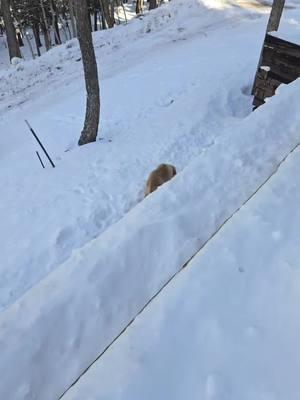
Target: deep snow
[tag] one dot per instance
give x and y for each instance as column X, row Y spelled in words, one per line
column 227, row 327
column 68, row 319
column 150, row 88
column 175, row 88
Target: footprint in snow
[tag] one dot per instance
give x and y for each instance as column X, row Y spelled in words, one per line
column 65, row 238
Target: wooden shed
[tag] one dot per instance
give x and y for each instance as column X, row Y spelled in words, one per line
column 279, row 61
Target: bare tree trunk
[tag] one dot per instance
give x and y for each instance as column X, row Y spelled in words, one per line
column 45, row 28
column 29, row 44
column 20, row 39
column 65, row 23
column 35, row 29
column 105, row 8
column 68, row 28
column 91, row 123
column 95, row 20
column 153, row 4
column 56, row 28
column 63, row 27
column 72, row 18
column 55, row 22
column 139, row 6
column 13, row 46
column 125, row 14
column 90, row 22
column 111, row 4
column 103, row 22
column 118, row 14
column 46, row 35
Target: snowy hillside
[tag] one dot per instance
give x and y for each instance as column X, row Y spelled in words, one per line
column 82, row 254
column 150, row 88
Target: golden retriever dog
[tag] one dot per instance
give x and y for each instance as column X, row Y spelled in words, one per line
column 162, row 174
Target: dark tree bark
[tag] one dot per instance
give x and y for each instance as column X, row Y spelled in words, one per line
column 57, row 34
column 105, row 8
column 20, row 39
column 55, row 22
column 90, row 22
column 35, row 29
column 111, row 7
column 103, row 22
column 46, row 35
column 13, row 46
column 45, row 27
column 153, row 4
column 95, row 20
column 91, row 123
column 72, row 18
column 139, row 6
column 65, row 22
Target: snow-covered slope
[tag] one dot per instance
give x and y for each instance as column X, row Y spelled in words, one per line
column 77, row 262
column 227, row 327
column 166, row 95
column 67, row 320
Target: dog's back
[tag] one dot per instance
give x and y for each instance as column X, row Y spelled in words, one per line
column 163, row 173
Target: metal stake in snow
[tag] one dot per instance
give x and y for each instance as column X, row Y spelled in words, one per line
column 40, row 143
column 39, row 157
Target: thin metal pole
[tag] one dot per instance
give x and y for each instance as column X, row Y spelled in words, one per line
column 40, row 143
column 39, row 157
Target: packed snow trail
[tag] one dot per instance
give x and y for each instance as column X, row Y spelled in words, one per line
column 176, row 68
column 228, row 326
column 73, row 314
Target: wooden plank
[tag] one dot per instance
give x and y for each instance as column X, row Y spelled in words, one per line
column 282, row 45
column 275, row 15
column 273, row 25
column 283, row 59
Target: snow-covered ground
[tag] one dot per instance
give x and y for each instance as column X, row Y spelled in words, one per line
column 81, row 254
column 29, row 50
column 69, row 318
column 151, row 85
column 227, row 327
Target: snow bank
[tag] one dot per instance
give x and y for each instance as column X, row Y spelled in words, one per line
column 143, row 123
column 46, row 338
column 227, row 327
